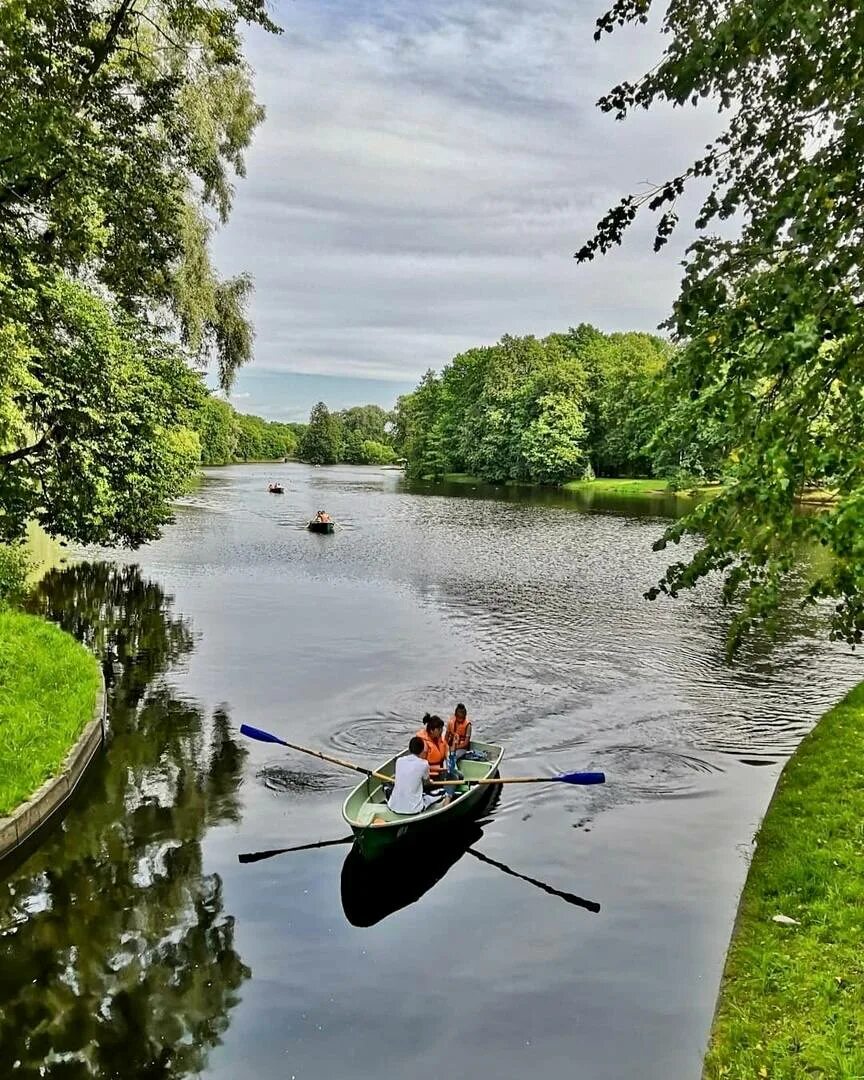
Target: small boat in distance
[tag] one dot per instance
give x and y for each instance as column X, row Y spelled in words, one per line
column 276, row 489
column 376, row 828
column 321, row 526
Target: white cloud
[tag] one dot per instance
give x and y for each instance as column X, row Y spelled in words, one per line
column 423, row 178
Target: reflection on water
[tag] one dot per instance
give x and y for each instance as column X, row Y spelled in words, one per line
column 116, row 956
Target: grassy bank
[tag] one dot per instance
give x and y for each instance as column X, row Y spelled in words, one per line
column 602, row 485
column 48, row 689
column 792, row 1001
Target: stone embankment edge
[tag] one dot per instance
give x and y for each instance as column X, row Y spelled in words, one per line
column 53, row 795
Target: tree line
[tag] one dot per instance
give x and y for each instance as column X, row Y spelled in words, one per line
column 361, row 435
column 572, row 405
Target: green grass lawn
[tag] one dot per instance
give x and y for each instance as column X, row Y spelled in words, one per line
column 619, row 486
column 48, row 689
column 792, row 1002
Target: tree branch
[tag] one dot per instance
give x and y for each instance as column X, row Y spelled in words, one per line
column 25, row 451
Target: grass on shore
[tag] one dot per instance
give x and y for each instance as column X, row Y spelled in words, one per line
column 48, row 689
column 791, row 1005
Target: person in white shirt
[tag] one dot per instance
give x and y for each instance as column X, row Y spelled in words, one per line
column 409, row 795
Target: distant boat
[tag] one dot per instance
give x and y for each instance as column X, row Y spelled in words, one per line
column 276, row 489
column 321, row 526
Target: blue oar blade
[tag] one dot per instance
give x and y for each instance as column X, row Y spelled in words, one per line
column 582, row 778
column 261, row 736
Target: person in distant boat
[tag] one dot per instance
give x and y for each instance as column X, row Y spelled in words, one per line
column 411, row 793
column 459, row 732
column 435, row 748
column 323, row 516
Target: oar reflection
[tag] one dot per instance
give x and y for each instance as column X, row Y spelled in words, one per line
column 373, row 890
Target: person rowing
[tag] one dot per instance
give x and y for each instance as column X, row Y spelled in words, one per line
column 411, row 793
column 322, row 516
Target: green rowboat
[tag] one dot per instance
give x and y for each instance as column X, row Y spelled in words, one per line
column 321, row 527
column 375, row 826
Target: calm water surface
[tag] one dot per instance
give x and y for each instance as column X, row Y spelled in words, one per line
column 571, row 932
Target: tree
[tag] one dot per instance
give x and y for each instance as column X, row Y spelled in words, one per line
column 114, row 442
column 361, row 424
column 322, row 442
column 219, row 431
column 120, row 129
column 771, row 318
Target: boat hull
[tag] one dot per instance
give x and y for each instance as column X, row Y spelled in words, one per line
column 321, row 527
column 373, row 840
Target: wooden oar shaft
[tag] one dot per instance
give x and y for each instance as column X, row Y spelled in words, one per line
column 338, row 761
column 499, row 780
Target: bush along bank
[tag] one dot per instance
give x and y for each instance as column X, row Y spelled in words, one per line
column 791, row 1003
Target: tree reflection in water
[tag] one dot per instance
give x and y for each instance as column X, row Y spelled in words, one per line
column 116, row 957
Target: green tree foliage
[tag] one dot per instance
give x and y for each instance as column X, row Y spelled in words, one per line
column 115, row 442
column 228, row 436
column 543, row 411
column 120, row 129
column 771, row 316
column 219, row 431
column 322, row 440
column 375, row 453
column 15, row 565
column 364, row 424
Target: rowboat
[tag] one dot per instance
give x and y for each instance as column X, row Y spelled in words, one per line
column 321, row 526
column 276, row 489
column 377, row 828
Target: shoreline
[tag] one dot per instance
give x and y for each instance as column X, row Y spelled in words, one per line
column 791, row 998
column 52, row 704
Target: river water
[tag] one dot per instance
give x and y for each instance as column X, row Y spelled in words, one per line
column 572, row 932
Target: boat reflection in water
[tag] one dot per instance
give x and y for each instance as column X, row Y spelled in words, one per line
column 373, row 890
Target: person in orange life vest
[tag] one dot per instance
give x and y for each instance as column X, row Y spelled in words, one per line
column 459, row 732
column 435, row 748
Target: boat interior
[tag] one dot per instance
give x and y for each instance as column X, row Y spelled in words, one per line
column 367, row 805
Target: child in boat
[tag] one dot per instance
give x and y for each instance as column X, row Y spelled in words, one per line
column 409, row 795
column 459, row 732
column 435, row 748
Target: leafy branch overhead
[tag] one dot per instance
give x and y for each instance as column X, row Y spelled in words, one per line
column 122, row 128
column 770, row 317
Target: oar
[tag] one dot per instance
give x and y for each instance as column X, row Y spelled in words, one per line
column 564, row 778
column 257, row 856
column 266, row 736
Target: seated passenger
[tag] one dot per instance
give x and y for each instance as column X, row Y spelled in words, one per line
column 459, row 732
column 409, row 795
column 435, row 748
column 322, row 515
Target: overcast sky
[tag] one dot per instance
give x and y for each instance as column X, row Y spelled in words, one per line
column 420, row 184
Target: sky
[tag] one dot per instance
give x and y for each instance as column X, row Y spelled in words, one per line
column 421, row 181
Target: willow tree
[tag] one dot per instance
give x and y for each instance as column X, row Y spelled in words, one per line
column 770, row 308
column 122, row 126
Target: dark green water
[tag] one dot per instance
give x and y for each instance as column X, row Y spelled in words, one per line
column 572, row 932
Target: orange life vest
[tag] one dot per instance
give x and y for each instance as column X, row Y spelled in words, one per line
column 458, row 733
column 435, row 751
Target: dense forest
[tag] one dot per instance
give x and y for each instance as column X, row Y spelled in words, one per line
column 572, row 405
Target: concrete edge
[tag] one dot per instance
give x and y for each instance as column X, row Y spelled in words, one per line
column 53, row 795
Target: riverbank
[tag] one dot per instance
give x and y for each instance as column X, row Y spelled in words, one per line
column 791, row 1004
column 49, row 686
column 602, row 485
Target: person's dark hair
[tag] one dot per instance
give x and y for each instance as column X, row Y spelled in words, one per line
column 461, row 710
column 432, row 722
column 415, row 746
